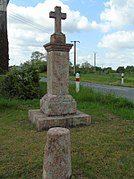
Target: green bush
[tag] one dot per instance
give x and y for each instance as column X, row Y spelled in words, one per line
column 21, row 83
column 39, row 65
column 2, row 71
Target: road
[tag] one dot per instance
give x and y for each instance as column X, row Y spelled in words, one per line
column 125, row 92
column 116, row 90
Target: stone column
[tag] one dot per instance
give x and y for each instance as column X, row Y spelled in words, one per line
column 58, row 102
column 57, row 158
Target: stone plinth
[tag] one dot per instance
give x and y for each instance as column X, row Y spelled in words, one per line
column 57, row 158
column 43, row 122
column 57, row 105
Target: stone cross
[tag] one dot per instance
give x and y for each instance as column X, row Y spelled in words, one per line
column 58, row 15
column 57, row 107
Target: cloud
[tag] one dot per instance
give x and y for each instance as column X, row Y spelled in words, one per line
column 118, row 13
column 118, row 41
column 119, row 47
column 29, row 28
column 115, row 59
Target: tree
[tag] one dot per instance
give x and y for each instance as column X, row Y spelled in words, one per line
column 130, row 69
column 38, row 61
column 120, row 69
column 36, row 55
column 86, row 65
column 107, row 70
column 98, row 68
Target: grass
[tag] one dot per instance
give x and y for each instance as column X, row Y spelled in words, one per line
column 102, row 150
column 107, row 79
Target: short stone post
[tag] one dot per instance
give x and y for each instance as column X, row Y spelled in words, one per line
column 57, row 158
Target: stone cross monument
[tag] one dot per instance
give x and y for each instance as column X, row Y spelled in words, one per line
column 4, row 57
column 57, row 107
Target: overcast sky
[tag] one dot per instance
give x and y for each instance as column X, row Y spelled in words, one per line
column 102, row 26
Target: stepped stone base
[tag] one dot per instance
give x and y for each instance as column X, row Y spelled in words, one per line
column 43, row 122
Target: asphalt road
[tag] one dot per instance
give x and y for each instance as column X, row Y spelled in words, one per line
column 125, row 92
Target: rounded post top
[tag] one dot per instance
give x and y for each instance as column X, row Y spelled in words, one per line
column 58, row 131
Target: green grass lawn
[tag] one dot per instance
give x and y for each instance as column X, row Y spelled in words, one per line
column 102, row 150
column 108, row 79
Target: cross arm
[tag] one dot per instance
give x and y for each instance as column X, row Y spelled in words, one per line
column 64, row 16
column 52, row 14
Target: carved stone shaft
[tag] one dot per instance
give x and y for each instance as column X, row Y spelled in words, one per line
column 57, row 101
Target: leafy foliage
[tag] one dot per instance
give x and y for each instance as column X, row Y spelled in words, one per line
column 21, row 83
column 36, row 55
column 130, row 69
column 39, row 65
column 37, row 61
column 1, row 71
column 120, row 69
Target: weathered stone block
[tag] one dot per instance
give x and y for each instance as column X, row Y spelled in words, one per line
column 58, row 38
column 57, row 105
column 57, row 157
column 43, row 122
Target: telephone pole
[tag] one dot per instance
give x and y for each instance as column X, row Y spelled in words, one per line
column 94, row 61
column 75, row 54
column 4, row 56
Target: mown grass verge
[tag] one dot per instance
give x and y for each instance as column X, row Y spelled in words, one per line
column 102, row 150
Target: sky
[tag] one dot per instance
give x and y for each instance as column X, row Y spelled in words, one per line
column 104, row 27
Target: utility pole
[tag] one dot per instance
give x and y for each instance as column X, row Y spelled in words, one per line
column 4, row 56
column 75, row 54
column 94, row 61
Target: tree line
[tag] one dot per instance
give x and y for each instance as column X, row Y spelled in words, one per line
column 39, row 61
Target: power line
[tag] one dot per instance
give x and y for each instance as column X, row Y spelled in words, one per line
column 26, row 21
column 94, row 61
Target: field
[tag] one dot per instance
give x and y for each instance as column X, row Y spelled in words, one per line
column 102, row 150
